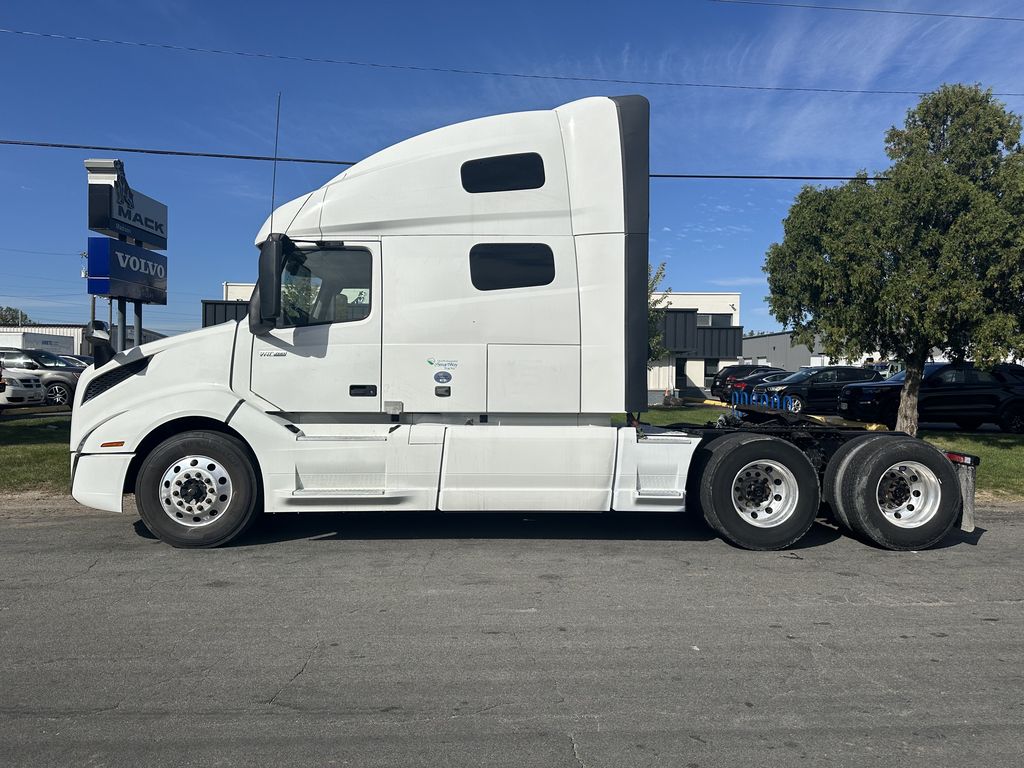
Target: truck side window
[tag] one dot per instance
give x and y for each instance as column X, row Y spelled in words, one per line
column 498, row 266
column 329, row 285
column 503, row 173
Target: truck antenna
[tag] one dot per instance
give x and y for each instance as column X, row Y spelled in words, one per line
column 273, row 183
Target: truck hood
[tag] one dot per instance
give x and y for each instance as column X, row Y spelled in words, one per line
column 221, row 336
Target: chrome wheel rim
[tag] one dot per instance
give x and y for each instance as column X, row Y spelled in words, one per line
column 796, row 405
column 908, row 494
column 57, row 395
column 765, row 493
column 195, row 491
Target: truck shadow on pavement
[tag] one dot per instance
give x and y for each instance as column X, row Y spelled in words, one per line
column 356, row 526
column 373, row 526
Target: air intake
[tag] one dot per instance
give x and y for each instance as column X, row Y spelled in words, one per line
column 105, row 381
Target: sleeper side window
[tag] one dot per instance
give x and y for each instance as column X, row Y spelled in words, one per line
column 500, row 266
column 504, row 173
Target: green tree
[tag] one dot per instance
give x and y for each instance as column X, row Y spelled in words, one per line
column 656, row 314
column 14, row 316
column 932, row 258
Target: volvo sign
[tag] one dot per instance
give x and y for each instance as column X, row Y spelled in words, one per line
column 117, row 210
column 126, row 271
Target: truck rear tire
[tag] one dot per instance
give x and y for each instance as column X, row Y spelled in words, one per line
column 903, row 494
column 835, row 471
column 757, row 491
column 197, row 489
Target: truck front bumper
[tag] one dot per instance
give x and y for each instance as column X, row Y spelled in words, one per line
column 97, row 480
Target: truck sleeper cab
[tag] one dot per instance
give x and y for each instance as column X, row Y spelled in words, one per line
column 450, row 325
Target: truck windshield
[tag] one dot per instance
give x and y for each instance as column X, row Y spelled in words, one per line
column 327, row 285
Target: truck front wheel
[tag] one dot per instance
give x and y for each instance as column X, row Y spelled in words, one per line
column 759, row 494
column 903, row 494
column 197, row 489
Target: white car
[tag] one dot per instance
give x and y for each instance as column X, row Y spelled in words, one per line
column 20, row 388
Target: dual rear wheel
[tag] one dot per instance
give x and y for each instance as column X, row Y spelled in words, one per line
column 762, row 493
column 757, row 491
column 897, row 492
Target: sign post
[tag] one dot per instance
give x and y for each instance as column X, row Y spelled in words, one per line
column 118, row 269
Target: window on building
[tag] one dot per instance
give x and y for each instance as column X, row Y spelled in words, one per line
column 703, row 320
column 500, row 266
column 710, row 369
column 504, row 173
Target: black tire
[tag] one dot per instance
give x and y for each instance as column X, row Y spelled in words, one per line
column 968, row 425
column 835, row 471
column 861, row 486
column 60, row 393
column 227, row 517
column 722, row 475
column 700, row 460
column 798, row 404
column 1012, row 420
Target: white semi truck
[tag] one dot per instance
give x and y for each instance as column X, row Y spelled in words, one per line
column 452, row 324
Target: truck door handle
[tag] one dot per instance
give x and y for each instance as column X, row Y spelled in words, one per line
column 362, row 390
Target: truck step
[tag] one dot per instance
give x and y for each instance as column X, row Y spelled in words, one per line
column 338, row 493
column 659, row 493
column 342, row 438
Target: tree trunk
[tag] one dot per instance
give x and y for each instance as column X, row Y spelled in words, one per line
column 906, row 417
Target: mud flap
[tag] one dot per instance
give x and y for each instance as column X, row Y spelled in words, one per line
column 966, row 474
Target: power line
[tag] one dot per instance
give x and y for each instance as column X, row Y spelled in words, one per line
column 172, row 152
column 42, row 253
column 871, row 10
column 270, row 158
column 761, row 177
column 459, row 71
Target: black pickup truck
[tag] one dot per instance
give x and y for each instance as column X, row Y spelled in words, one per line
column 958, row 393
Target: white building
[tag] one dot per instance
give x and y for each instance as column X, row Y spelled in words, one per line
column 75, row 331
column 702, row 333
column 238, row 291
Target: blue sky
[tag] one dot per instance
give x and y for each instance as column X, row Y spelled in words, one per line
column 713, row 234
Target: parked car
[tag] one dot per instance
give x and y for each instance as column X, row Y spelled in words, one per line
column 731, row 373
column 957, row 393
column 19, row 388
column 816, row 389
column 747, row 383
column 83, row 361
column 886, row 368
column 59, row 378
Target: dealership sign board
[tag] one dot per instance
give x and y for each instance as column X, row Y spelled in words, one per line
column 117, row 210
column 126, row 271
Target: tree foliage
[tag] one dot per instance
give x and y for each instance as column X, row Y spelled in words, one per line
column 14, row 316
column 656, row 314
column 931, row 258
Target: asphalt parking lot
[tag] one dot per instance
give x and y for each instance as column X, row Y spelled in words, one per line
column 568, row 640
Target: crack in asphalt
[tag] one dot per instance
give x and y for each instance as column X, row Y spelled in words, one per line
column 576, row 750
column 316, row 646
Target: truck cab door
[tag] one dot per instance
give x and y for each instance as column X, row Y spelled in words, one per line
column 325, row 353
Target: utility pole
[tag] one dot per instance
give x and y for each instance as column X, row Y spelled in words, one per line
column 92, row 300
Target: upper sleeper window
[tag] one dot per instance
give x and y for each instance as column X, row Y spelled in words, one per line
column 497, row 266
column 503, row 173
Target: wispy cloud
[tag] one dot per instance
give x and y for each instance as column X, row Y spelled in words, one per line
column 736, row 282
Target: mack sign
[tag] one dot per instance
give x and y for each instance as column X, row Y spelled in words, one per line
column 117, row 210
column 126, row 271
